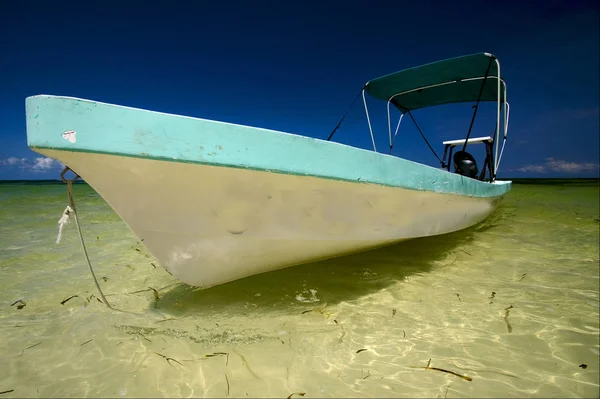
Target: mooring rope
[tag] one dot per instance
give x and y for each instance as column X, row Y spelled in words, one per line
column 64, row 219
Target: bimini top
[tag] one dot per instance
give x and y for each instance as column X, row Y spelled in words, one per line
column 449, row 81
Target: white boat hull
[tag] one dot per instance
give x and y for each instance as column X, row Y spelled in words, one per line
column 208, row 225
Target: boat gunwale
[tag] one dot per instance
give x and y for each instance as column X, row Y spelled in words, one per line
column 507, row 183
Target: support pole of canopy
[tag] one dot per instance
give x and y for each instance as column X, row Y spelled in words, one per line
column 369, row 120
column 487, row 72
column 506, row 115
column 392, row 138
column 396, row 132
column 389, row 125
column 498, row 122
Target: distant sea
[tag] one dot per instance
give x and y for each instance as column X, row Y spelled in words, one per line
column 507, row 308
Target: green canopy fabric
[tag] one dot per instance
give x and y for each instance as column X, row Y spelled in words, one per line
column 411, row 89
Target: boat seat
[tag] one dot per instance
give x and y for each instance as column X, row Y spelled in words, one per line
column 474, row 140
column 465, row 164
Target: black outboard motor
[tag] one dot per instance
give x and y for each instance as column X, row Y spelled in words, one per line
column 464, row 164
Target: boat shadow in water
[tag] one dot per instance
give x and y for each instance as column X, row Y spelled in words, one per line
column 324, row 282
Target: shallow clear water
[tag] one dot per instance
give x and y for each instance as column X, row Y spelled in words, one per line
column 512, row 303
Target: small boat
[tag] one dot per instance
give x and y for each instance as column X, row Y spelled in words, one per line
column 216, row 202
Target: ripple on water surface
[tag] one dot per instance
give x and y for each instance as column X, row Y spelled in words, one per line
column 511, row 304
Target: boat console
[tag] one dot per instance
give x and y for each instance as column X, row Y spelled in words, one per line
column 464, row 163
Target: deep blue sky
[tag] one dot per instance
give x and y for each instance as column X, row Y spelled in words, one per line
column 296, row 66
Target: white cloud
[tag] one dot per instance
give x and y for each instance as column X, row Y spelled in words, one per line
column 12, row 161
column 40, row 164
column 43, row 163
column 570, row 167
column 532, row 168
column 557, row 165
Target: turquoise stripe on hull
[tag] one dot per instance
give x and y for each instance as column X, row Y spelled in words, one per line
column 111, row 129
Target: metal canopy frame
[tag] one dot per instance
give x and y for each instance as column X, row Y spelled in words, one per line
column 503, row 108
